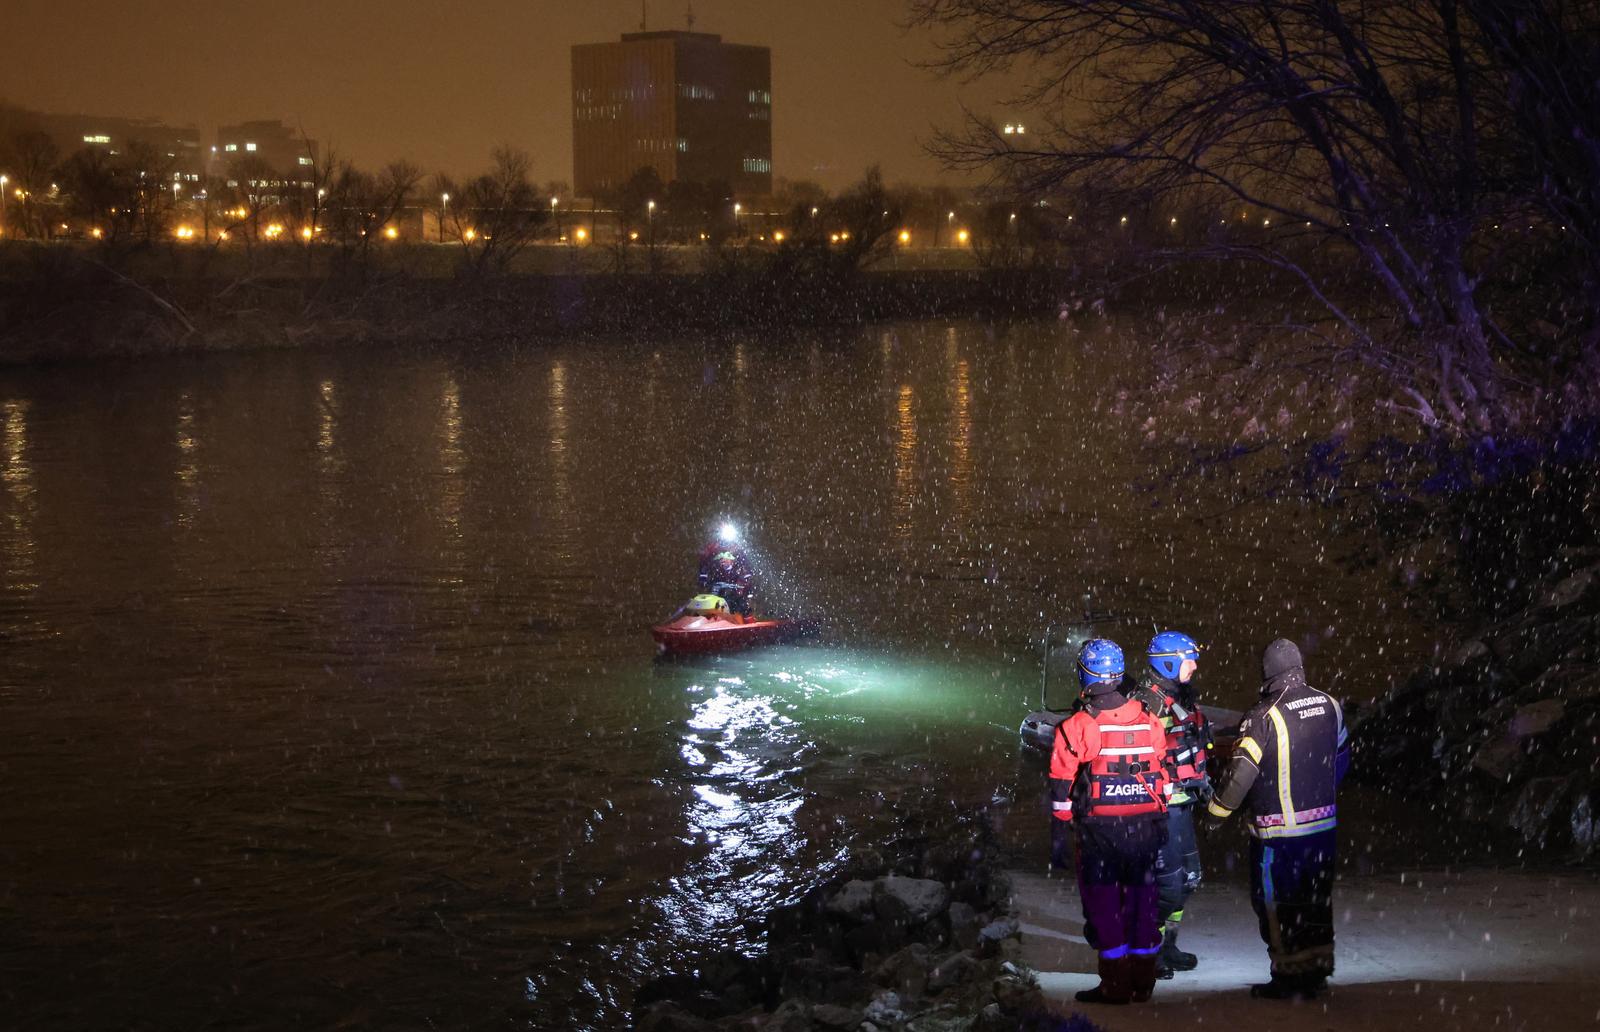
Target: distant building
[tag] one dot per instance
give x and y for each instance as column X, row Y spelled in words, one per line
column 172, row 150
column 687, row 104
column 276, row 148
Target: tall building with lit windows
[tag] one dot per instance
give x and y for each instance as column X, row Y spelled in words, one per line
column 282, row 149
column 687, row 104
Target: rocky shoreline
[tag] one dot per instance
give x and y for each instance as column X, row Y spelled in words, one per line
column 1504, row 731
column 917, row 935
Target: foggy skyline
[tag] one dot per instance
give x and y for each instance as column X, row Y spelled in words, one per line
column 379, row 81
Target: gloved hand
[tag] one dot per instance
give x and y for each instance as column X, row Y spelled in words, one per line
column 1061, row 845
column 1211, row 823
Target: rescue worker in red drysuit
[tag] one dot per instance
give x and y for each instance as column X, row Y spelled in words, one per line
column 1169, row 692
column 1285, row 770
column 1109, row 779
column 725, row 570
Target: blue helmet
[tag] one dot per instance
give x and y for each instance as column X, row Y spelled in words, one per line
column 1100, row 662
column 1168, row 650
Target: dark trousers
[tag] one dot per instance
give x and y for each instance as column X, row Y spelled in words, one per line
column 1178, row 864
column 1117, row 883
column 1291, row 888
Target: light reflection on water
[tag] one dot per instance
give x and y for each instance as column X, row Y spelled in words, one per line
column 18, row 475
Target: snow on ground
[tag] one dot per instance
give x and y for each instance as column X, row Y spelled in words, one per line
column 1474, row 949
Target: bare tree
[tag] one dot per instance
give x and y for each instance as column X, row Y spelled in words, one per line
column 1379, row 129
column 362, row 206
column 498, row 214
column 32, row 159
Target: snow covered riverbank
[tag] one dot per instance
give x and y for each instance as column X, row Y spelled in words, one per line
column 1451, row 950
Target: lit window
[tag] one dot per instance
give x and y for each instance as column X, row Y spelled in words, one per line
column 683, row 145
column 305, row 161
column 99, row 138
column 757, row 165
column 231, row 147
column 249, row 146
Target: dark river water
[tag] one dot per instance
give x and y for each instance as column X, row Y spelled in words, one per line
column 328, row 698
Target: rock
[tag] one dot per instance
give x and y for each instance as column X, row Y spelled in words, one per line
column 1017, row 995
column 791, row 1016
column 963, row 925
column 909, row 900
column 1498, row 757
column 1536, row 809
column 1585, row 827
column 1537, row 717
column 1010, row 951
column 993, row 1019
column 995, row 932
column 884, row 1010
column 853, row 901
column 1569, row 590
column 813, row 979
column 666, row 1016
column 868, row 863
column 953, row 970
column 1467, row 652
column 906, row 970
column 830, row 1015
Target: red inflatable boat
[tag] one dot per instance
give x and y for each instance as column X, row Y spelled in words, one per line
column 690, row 633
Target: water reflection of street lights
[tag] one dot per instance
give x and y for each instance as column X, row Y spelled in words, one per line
column 3, row 181
column 444, row 213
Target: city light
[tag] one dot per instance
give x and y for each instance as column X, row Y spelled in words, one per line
column 633, row 234
column 391, row 232
column 581, row 234
column 777, row 236
column 305, row 233
column 963, row 236
column 275, row 231
column 184, row 233
column 97, row 233
column 470, row 235
column 833, row 238
column 222, row 235
column 905, row 236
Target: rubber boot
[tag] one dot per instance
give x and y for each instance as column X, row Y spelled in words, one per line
column 1142, row 976
column 1115, row 983
column 1288, row 987
column 1171, row 958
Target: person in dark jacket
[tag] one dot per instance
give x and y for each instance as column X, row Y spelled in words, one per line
column 725, row 570
column 1285, row 771
column 1168, row 691
column 1109, row 779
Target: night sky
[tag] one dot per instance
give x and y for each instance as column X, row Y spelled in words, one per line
column 443, row 84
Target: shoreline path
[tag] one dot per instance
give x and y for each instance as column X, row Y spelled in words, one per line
column 1477, row 949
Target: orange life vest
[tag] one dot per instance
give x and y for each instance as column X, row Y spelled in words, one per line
column 1126, row 778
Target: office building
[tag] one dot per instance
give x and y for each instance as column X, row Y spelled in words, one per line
column 690, row 106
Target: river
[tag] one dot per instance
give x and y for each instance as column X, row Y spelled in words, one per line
column 328, row 694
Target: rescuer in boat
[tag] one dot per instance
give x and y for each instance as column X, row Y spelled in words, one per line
column 1168, row 691
column 1109, row 777
column 725, row 570
column 1285, row 771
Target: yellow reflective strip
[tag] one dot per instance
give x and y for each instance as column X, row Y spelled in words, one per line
column 1216, row 809
column 1251, row 749
column 1285, row 796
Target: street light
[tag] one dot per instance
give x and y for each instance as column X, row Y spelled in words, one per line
column 444, row 213
column 3, row 181
column 555, row 215
column 736, row 210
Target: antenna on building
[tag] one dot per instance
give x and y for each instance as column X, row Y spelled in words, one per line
column 689, row 16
